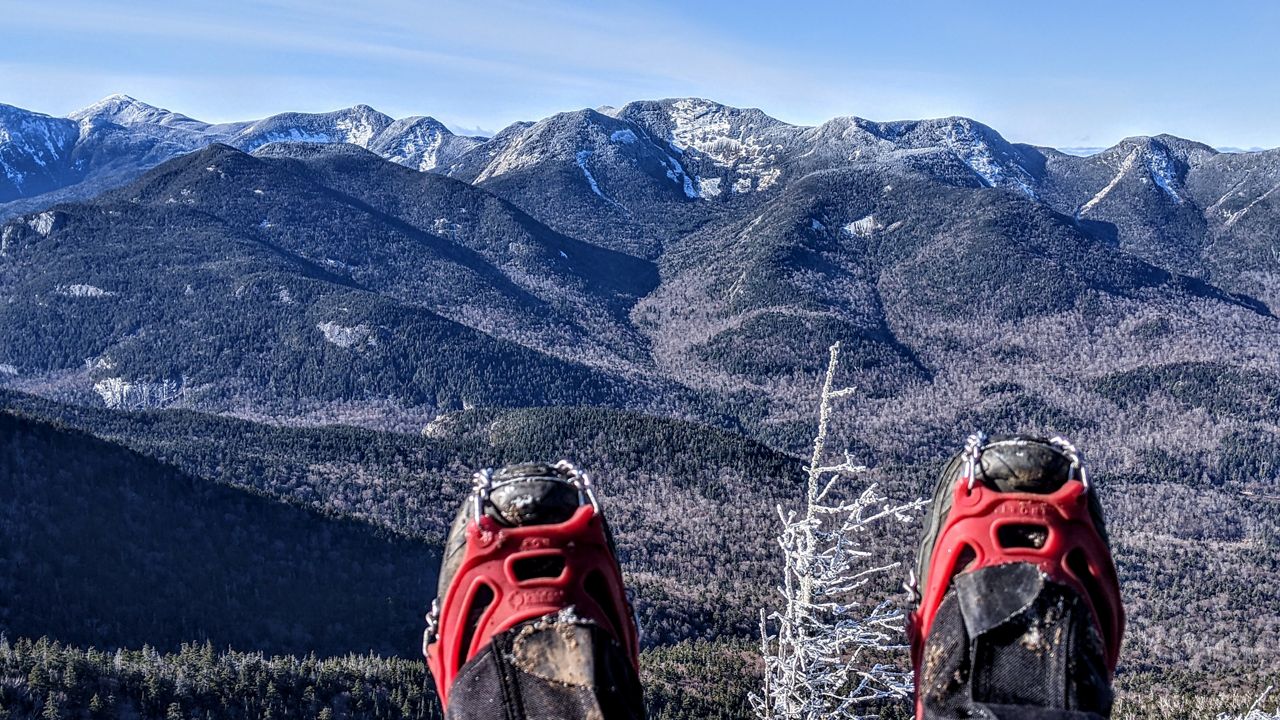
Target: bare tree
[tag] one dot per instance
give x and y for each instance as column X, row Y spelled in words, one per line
column 825, row 649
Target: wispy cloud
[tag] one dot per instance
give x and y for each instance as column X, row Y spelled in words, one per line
column 486, row 63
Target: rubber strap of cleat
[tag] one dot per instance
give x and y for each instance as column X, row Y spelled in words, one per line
column 490, row 560
column 974, row 522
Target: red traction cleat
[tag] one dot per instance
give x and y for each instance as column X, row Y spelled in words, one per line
column 531, row 542
column 1019, row 604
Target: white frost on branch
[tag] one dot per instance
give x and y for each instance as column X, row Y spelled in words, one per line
column 1256, row 712
column 825, row 649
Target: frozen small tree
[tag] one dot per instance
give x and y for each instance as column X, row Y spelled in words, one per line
column 1256, row 712
column 816, row 646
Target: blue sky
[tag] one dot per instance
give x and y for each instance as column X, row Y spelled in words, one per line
column 1072, row 74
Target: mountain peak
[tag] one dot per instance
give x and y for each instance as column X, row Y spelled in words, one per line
column 125, row 110
column 689, row 109
column 111, row 104
column 364, row 112
column 361, row 110
column 213, row 152
column 422, row 143
column 1187, row 151
column 118, row 99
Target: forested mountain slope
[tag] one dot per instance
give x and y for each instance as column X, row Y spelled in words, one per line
column 108, row 547
column 661, row 478
column 689, row 501
column 248, row 284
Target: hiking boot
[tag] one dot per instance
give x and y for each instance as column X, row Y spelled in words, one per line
column 530, row 581
column 1019, row 612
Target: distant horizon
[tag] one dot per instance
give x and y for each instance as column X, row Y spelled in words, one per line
column 1081, row 75
column 1083, row 151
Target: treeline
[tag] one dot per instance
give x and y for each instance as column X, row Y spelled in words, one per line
column 687, row 681
column 51, row 681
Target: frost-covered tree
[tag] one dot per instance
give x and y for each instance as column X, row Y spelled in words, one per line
column 827, row 649
column 1256, row 712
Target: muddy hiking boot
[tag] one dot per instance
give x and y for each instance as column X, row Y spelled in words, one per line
column 1019, row 612
column 531, row 620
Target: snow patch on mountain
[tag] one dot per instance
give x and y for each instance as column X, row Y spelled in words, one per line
column 43, row 223
column 446, row 228
column 7, row 238
column 357, row 125
column 696, row 124
column 709, row 187
column 9, row 370
column 127, row 112
column 347, row 336
column 514, row 156
column 625, row 136
column 102, row 362
column 441, row 426
column 728, row 141
column 422, row 143
column 356, row 130
column 425, row 152
column 1163, row 173
column 768, row 178
column 968, row 144
column 676, row 173
column 1233, row 217
column 1125, row 166
column 864, row 226
column 33, row 144
column 582, row 156
column 82, row 291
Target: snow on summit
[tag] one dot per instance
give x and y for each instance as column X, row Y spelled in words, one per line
column 127, row 111
column 698, row 150
column 748, row 144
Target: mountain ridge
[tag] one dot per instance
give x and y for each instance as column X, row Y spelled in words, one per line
column 657, row 253
column 425, row 144
column 351, row 279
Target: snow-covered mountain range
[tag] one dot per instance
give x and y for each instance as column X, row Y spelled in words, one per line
column 44, row 158
column 669, row 240
column 690, row 149
column 733, row 209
